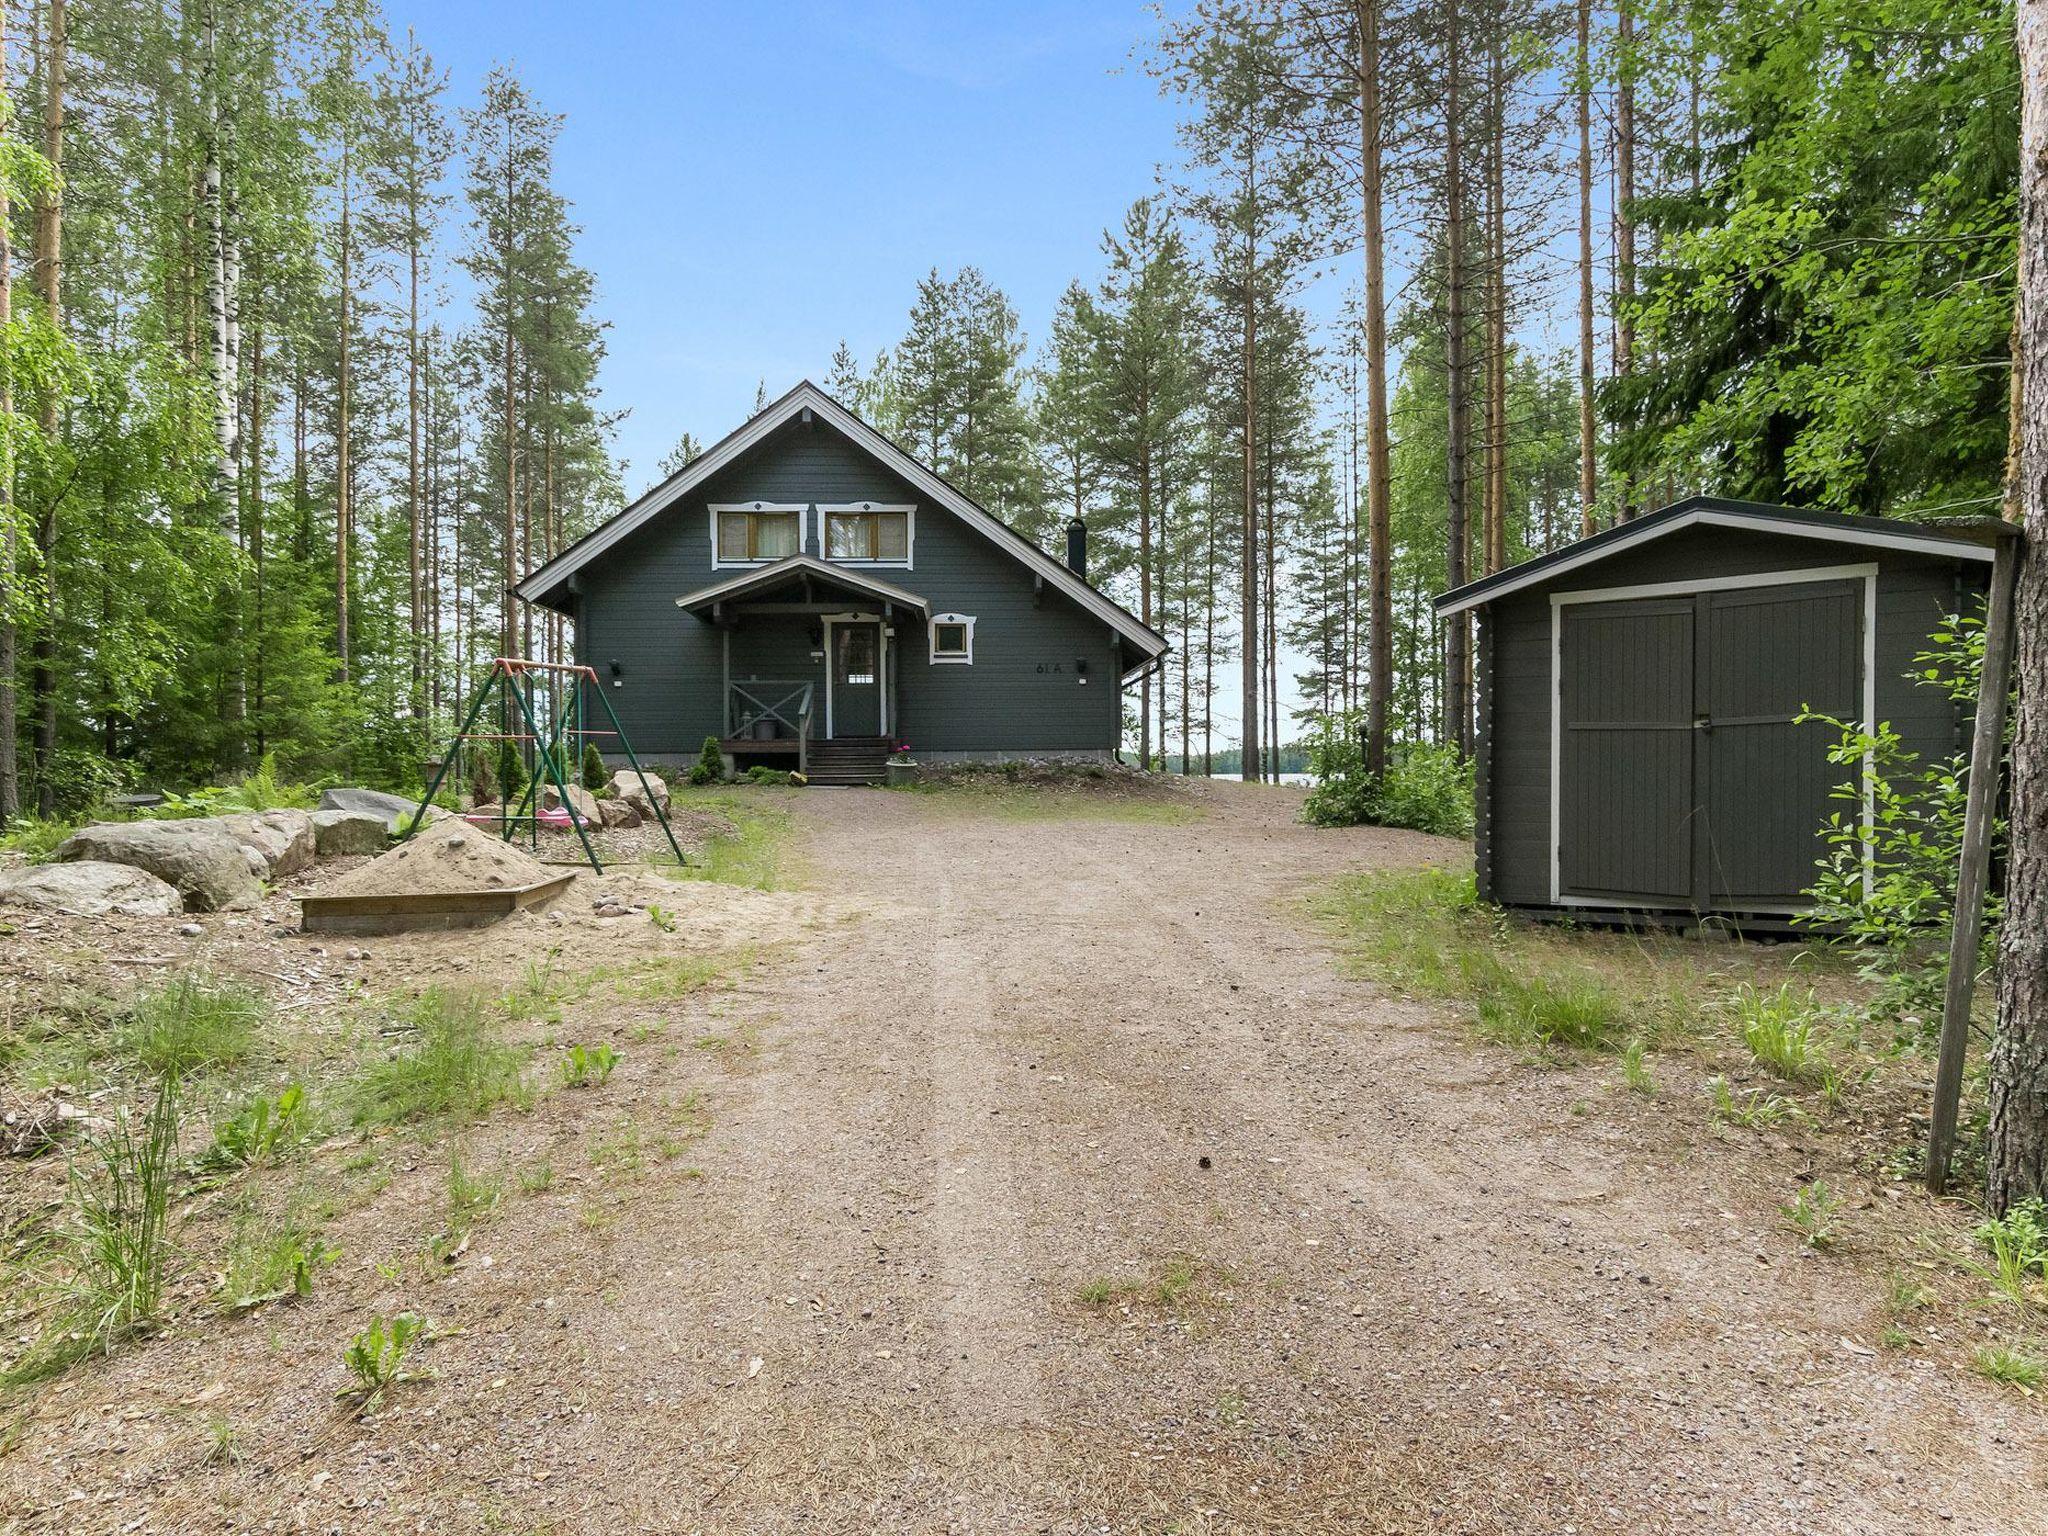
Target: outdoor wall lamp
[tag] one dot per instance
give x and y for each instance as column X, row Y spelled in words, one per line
column 617, row 673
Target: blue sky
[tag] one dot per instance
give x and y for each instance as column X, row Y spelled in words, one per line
column 756, row 182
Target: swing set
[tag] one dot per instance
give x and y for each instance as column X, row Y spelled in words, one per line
column 512, row 679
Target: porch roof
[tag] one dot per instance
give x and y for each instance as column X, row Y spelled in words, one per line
column 811, row 575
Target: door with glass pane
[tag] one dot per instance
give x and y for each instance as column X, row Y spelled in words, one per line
column 856, row 679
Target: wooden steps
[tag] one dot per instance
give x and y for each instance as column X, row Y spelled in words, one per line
column 849, row 760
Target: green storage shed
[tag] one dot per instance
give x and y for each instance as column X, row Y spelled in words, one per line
column 1637, row 694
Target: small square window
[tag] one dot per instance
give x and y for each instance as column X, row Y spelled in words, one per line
column 952, row 637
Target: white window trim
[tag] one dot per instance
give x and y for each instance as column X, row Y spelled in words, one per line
column 909, row 560
column 1865, row 572
column 966, row 659
column 800, row 508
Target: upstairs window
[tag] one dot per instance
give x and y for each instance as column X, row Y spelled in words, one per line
column 756, row 533
column 866, row 532
column 952, row 638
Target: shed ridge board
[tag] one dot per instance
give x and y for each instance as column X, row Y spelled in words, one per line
column 1961, row 541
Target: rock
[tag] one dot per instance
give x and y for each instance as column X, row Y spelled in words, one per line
column 201, row 858
column 626, row 786
column 284, row 840
column 395, row 809
column 611, row 909
column 581, row 800
column 618, row 813
column 190, row 930
column 338, row 833
column 90, row 888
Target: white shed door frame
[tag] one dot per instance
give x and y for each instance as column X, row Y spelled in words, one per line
column 1866, row 572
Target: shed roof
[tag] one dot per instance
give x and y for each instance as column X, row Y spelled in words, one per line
column 1972, row 540
column 797, row 567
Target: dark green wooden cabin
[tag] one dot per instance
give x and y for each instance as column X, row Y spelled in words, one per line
column 811, row 595
column 1637, row 691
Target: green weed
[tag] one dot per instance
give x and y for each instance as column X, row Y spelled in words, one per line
column 376, row 1358
column 1754, row 1109
column 1814, row 1213
column 1545, row 1011
column 190, row 1022
column 258, row 1131
column 661, row 917
column 537, row 1178
column 471, row 1197
column 272, row 1260
column 2018, row 1245
column 450, row 1064
column 586, row 1065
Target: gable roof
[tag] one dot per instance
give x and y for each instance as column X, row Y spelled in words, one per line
column 779, row 571
column 807, row 397
column 1956, row 541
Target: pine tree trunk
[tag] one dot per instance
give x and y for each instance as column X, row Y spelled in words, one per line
column 1249, row 756
column 344, row 472
column 49, row 280
column 2017, row 1163
column 1496, row 542
column 415, row 591
column 1588, row 486
column 1457, row 531
column 1624, row 211
column 10, row 535
column 1379, row 531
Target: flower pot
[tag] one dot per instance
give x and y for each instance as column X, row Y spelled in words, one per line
column 901, row 773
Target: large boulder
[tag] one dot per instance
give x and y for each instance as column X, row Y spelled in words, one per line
column 618, row 813
column 338, row 834
column 581, row 800
column 282, row 842
column 201, row 858
column 395, row 809
column 90, row 888
column 626, row 786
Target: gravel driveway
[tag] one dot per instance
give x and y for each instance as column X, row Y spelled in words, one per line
column 1076, row 1189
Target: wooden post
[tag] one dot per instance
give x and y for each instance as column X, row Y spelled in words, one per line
column 1973, row 871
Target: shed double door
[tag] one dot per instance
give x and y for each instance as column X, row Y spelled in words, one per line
column 1683, row 781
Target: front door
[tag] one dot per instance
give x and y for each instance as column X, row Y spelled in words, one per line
column 856, row 679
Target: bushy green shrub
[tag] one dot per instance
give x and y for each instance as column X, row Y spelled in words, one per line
column 483, row 779
column 710, row 765
column 594, row 776
column 1894, row 899
column 763, row 775
column 1427, row 787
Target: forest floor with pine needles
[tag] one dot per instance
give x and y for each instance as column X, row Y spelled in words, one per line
column 1066, row 1172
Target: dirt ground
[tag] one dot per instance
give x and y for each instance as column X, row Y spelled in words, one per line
column 1053, row 1176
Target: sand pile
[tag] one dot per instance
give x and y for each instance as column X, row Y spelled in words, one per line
column 448, row 856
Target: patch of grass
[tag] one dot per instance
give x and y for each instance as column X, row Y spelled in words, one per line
column 1904, row 1295
column 116, row 1257
column 192, row 1022
column 272, row 1259
column 537, row 1177
column 61, row 1045
column 584, row 1066
column 752, row 854
column 1754, row 1109
column 223, row 1442
column 1786, row 1032
column 450, row 1063
column 1815, row 1214
column 2010, row 1367
column 1537, row 1011
column 376, row 1358
column 471, row 1197
column 1635, row 1071
column 2018, row 1245
column 34, row 838
column 1181, row 1282
column 663, row 978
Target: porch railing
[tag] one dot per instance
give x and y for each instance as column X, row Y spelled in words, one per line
column 758, row 710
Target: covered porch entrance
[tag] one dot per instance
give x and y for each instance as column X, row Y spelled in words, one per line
column 809, row 665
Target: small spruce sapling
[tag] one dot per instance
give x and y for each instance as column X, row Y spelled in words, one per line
column 511, row 774
column 595, row 778
column 710, row 765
